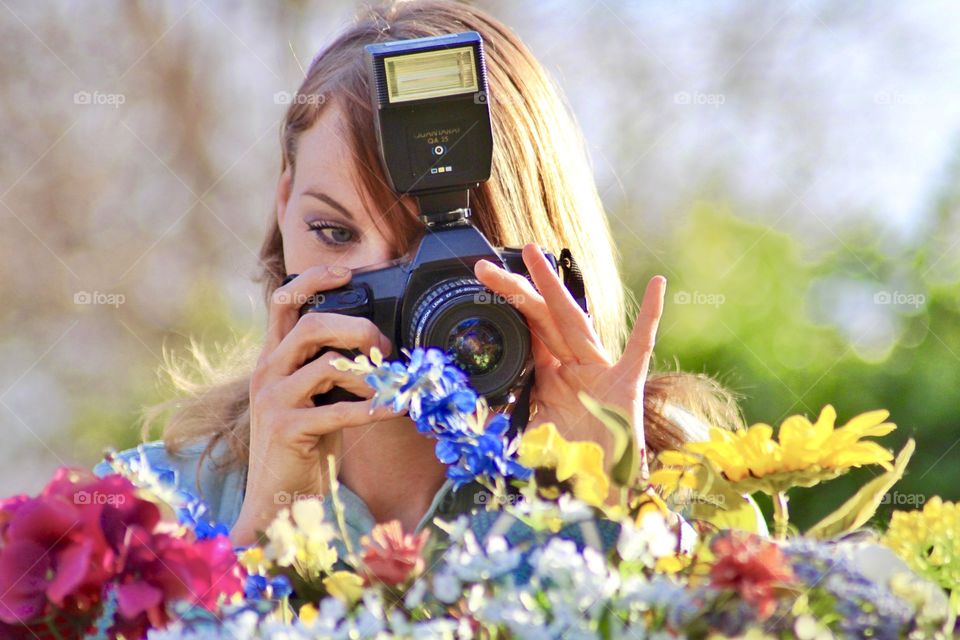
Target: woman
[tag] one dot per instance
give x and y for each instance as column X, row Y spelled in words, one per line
column 252, row 444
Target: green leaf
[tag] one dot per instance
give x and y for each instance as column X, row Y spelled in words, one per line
column 717, row 502
column 624, row 468
column 856, row 511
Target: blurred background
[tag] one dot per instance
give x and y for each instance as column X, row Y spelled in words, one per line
column 793, row 168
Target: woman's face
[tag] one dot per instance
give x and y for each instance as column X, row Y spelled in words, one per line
column 322, row 217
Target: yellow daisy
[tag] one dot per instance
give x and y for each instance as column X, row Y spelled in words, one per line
column 805, row 454
column 560, row 464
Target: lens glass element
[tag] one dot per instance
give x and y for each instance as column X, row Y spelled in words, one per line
column 476, row 344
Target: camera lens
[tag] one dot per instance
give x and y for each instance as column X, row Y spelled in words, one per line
column 476, row 345
column 485, row 336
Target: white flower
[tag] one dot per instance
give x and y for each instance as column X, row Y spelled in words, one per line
column 282, row 545
column 446, row 587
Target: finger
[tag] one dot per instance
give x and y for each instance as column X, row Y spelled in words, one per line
column 639, row 348
column 314, row 331
column 573, row 323
column 320, row 421
column 521, row 294
column 543, row 358
column 286, row 301
column 319, row 376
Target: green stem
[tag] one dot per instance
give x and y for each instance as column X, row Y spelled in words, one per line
column 337, row 505
column 954, row 608
column 52, row 628
column 781, row 515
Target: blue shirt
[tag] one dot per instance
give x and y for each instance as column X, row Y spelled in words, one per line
column 222, row 490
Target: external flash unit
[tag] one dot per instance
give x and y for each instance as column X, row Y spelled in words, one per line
column 432, row 118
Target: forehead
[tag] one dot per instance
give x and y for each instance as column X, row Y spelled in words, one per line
column 325, row 158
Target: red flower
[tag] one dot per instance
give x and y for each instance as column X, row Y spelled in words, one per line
column 52, row 547
column 392, row 556
column 160, row 568
column 751, row 566
column 60, row 549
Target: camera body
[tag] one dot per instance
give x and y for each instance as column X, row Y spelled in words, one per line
column 434, row 300
column 435, row 139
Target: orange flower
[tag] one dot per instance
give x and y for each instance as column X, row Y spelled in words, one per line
column 752, row 566
column 392, row 556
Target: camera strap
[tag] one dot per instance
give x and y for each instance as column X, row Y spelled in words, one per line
column 573, row 278
column 521, row 409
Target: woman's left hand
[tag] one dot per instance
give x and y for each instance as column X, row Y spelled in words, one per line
column 567, row 352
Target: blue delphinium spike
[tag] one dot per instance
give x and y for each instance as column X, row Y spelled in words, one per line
column 439, row 399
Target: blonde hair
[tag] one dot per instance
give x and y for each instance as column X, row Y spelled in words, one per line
column 541, row 190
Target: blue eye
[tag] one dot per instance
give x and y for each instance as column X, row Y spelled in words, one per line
column 333, row 234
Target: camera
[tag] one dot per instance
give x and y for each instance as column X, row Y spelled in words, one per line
column 435, row 141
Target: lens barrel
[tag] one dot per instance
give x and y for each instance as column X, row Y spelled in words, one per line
column 484, row 334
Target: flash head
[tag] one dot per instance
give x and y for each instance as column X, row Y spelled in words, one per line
column 432, row 119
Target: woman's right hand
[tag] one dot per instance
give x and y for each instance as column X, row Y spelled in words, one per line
column 290, row 438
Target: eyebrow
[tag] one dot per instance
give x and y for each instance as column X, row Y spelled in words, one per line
column 322, row 197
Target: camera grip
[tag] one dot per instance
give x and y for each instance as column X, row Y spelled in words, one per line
column 346, row 300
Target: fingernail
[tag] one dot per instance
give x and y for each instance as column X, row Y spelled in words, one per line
column 488, row 264
column 338, row 270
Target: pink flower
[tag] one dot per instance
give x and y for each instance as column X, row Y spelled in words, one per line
column 392, row 556
column 52, row 548
column 60, row 549
column 160, row 568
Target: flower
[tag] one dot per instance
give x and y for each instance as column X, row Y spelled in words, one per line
column 560, row 464
column 928, row 540
column 345, row 586
column 60, row 548
column 442, row 404
column 159, row 568
column 391, row 556
column 299, row 538
column 806, row 453
column 831, row 571
column 257, row 587
column 752, row 566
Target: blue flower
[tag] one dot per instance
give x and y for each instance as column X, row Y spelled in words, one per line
column 439, row 399
column 192, row 513
column 257, row 587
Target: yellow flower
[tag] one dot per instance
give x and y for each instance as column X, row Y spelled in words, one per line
column 806, row 453
column 299, row 537
column 345, row 586
column 308, row 614
column 577, row 465
column 254, row 561
column 928, row 540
